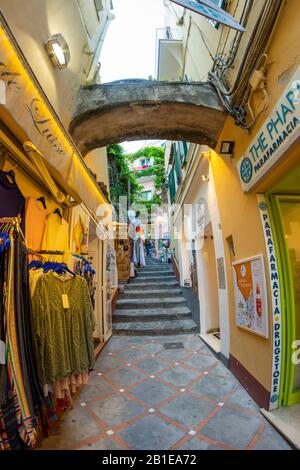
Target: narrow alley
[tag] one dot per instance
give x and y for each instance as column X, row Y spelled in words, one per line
column 161, row 392
column 149, row 230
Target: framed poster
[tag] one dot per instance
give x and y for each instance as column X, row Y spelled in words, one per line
column 250, row 292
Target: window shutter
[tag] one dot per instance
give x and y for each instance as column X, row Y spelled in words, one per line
column 172, row 186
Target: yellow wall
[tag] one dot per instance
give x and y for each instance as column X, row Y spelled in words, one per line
column 97, row 162
column 239, row 212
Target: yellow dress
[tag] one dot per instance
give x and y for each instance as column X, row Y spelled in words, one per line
column 56, row 236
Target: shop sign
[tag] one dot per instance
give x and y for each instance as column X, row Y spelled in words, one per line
column 221, row 273
column 250, row 293
column 211, row 11
column 276, row 302
column 275, row 137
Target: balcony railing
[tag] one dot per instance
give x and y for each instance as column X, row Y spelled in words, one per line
column 168, row 34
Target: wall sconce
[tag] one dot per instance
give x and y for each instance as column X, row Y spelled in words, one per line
column 58, row 51
column 227, row 148
column 205, row 178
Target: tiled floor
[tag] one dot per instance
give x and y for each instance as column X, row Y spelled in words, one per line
column 143, row 396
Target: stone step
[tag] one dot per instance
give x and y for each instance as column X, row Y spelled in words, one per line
column 146, row 293
column 151, row 314
column 155, row 268
column 154, row 273
column 155, row 328
column 152, row 285
column 150, row 303
column 157, row 279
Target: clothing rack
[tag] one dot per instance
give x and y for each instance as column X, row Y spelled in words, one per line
column 82, row 256
column 46, row 252
column 11, row 220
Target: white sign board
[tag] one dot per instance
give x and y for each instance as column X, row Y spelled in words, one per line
column 276, row 301
column 250, row 293
column 211, row 11
column 278, row 133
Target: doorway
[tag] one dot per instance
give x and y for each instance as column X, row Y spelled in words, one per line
column 286, row 213
column 209, row 291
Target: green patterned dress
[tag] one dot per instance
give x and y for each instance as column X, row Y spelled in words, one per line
column 64, row 336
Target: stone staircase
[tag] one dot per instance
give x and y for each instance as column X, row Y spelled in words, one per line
column 153, row 305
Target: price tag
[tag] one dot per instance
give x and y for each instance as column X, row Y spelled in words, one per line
column 2, row 353
column 65, row 301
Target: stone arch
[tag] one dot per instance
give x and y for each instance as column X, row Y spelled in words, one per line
column 142, row 109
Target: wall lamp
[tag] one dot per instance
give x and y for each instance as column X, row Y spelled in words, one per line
column 58, row 51
column 227, row 148
column 205, row 178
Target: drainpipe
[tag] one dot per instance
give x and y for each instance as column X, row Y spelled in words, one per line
column 95, row 67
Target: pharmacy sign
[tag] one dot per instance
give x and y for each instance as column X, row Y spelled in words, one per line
column 211, row 11
column 279, row 132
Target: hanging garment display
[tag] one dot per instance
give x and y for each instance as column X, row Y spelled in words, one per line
column 63, row 326
column 12, row 201
column 83, row 268
column 56, row 234
column 22, row 407
column 36, row 215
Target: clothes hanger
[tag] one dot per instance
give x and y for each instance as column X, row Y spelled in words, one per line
column 5, row 241
column 57, row 211
column 36, row 264
column 11, row 174
column 43, row 201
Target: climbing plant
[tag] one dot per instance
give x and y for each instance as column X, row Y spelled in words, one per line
column 158, row 170
column 120, row 176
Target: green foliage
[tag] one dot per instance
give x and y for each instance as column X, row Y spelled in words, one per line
column 158, row 170
column 157, row 153
column 120, row 175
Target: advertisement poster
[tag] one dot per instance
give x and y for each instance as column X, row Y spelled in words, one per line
column 251, row 295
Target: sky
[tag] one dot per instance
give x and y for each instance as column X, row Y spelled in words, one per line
column 129, row 48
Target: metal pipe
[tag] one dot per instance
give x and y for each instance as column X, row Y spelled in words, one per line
column 235, row 98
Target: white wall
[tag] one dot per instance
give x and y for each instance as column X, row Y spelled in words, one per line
column 204, row 192
column 209, row 284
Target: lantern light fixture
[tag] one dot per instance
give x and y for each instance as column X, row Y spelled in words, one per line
column 58, row 51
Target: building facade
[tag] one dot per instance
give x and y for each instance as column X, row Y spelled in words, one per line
column 38, row 95
column 248, row 259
